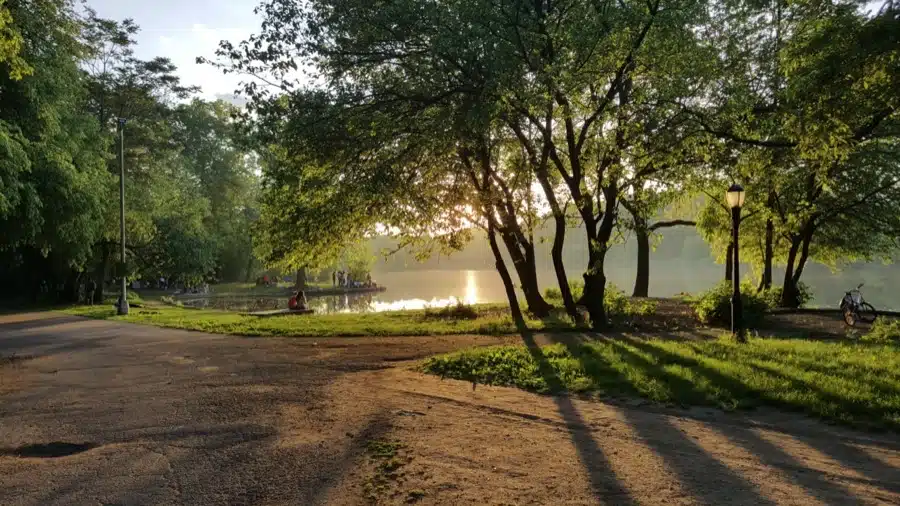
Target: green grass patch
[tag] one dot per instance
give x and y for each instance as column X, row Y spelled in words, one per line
column 851, row 383
column 486, row 319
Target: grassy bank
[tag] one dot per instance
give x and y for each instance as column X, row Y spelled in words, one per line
column 848, row 383
column 488, row 319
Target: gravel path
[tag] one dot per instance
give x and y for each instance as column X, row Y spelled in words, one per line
column 102, row 413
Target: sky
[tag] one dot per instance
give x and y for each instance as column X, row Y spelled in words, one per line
column 182, row 30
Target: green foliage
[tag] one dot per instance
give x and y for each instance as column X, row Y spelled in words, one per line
column 713, row 307
column 884, row 330
column 773, row 295
column 458, row 311
column 618, row 305
column 11, row 43
column 848, row 383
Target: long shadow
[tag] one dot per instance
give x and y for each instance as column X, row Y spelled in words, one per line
column 879, row 413
column 813, row 481
column 847, row 455
column 704, row 476
column 50, row 321
column 603, row 480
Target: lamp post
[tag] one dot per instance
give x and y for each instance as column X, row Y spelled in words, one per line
column 734, row 197
column 123, row 296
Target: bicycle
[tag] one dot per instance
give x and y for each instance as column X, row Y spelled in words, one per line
column 855, row 309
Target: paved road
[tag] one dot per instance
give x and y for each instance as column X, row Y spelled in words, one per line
column 102, row 413
column 172, row 417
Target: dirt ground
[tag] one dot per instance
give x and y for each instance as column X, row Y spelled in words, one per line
column 106, row 413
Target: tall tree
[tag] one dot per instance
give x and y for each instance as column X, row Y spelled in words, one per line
column 52, row 173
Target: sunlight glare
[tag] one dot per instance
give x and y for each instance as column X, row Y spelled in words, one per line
column 471, row 288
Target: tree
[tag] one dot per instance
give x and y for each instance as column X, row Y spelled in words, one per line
column 813, row 129
column 421, row 141
column 212, row 153
column 588, row 70
column 52, row 167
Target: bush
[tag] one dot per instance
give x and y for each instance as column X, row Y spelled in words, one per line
column 554, row 295
column 884, row 330
column 713, row 307
column 617, row 304
column 131, row 296
column 773, row 295
column 459, row 311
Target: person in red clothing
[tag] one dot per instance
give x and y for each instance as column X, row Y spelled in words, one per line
column 298, row 301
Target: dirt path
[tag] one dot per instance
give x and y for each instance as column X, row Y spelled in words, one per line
column 107, row 413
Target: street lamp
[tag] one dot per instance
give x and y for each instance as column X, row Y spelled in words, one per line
column 734, row 197
column 123, row 297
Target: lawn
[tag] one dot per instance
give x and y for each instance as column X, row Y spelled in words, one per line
column 488, row 319
column 851, row 383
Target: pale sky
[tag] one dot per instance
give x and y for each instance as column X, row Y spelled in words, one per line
column 182, row 30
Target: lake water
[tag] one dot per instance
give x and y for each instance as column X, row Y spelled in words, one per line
column 419, row 289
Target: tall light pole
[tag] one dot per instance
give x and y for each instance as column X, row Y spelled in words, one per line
column 123, row 295
column 734, row 197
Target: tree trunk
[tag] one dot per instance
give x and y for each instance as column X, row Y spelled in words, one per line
column 559, row 237
column 507, row 281
column 71, row 291
column 526, row 268
column 249, row 274
column 100, row 272
column 595, row 290
column 788, row 288
column 642, row 278
column 729, row 262
column 766, row 282
column 300, row 282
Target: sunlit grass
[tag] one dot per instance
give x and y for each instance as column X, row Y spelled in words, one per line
column 851, row 383
column 487, row 319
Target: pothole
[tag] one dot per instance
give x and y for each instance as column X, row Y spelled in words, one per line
column 48, row 450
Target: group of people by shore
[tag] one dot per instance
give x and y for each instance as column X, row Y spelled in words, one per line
column 341, row 279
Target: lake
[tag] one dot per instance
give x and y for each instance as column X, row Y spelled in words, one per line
column 418, row 289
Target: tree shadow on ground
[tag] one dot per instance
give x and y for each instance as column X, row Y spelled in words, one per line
column 34, row 324
column 879, row 473
column 47, row 451
column 716, row 483
column 685, row 457
column 604, row 482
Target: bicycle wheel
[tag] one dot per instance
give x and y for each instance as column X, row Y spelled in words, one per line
column 867, row 313
column 850, row 316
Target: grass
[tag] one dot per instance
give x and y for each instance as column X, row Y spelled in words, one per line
column 486, row 319
column 388, row 460
column 850, row 383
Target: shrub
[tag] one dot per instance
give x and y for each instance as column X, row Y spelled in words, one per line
column 168, row 299
column 459, row 311
column 884, row 330
column 618, row 305
column 713, row 307
column 615, row 301
column 554, row 294
column 131, row 296
column 773, row 295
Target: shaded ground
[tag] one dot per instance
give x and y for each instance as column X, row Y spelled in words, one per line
column 111, row 413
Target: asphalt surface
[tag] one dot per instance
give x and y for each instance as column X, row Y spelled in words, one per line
column 96, row 412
